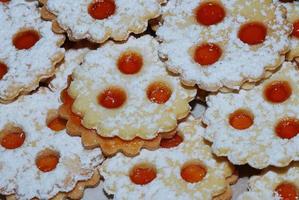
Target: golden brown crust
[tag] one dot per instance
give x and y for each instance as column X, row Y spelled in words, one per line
column 228, row 193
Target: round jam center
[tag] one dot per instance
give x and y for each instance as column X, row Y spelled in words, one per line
column 101, row 9
column 287, row 191
column 241, row 119
column 57, row 124
column 143, row 174
column 130, row 63
column 253, row 33
column 47, row 161
column 25, row 39
column 112, row 98
column 13, row 140
column 207, row 54
column 210, row 13
column 295, row 32
column 193, row 173
column 287, row 128
column 159, row 92
column 277, row 91
column 171, row 142
column 3, row 70
column 4, row 1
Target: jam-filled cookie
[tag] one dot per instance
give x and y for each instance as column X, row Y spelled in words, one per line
column 260, row 126
column 183, row 168
column 29, row 49
column 223, row 44
column 38, row 159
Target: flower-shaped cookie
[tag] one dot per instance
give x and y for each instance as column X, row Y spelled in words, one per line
column 274, row 184
column 29, row 49
column 98, row 20
column 259, row 126
column 180, row 170
column 223, row 44
column 124, row 90
column 35, row 148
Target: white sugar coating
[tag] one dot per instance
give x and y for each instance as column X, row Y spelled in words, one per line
column 181, row 34
column 138, row 116
column 19, row 174
column 263, row 187
column 26, row 67
column 168, row 163
column 130, row 16
column 259, row 146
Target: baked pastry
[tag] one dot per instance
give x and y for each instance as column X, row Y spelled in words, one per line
column 35, row 148
column 223, row 44
column 183, row 168
column 124, row 90
column 99, row 20
column 259, row 126
column 29, row 49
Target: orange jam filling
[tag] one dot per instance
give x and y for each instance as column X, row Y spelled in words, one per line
column 209, row 13
column 130, row 63
column 171, row 142
column 193, row 173
column 158, row 92
column 253, row 33
column 241, row 119
column 4, row 1
column 25, row 39
column 287, row 191
column 207, row 54
column 3, row 70
column 101, row 9
column 57, row 124
column 13, row 140
column 277, row 91
column 113, row 97
column 295, row 32
column 47, row 161
column 287, row 128
column 143, row 174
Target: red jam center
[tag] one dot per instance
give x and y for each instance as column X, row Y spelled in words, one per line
column 47, row 161
column 253, row 33
column 286, row 1
column 57, row 124
column 130, row 63
column 193, row 173
column 25, row 39
column 159, row 92
column 210, row 13
column 287, row 128
column 101, row 9
column 3, row 70
column 13, row 140
column 143, row 174
column 277, row 91
column 4, row 1
column 112, row 98
column 287, row 191
column 295, row 32
column 171, row 142
column 207, row 54
column 241, row 119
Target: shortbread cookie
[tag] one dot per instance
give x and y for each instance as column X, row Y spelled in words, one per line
column 124, row 90
column 29, row 49
column 184, row 168
column 274, row 184
column 223, row 44
column 259, row 126
column 99, row 20
column 35, row 148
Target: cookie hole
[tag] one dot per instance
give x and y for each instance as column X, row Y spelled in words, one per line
column 172, row 142
column 47, row 160
column 3, row 70
column 193, row 171
column 207, row 54
column 55, row 122
column 112, row 97
column 295, row 32
column 12, row 137
column 277, row 91
column 142, row 174
column 253, row 33
column 159, row 92
column 287, row 191
column 241, row 119
column 25, row 39
column 209, row 13
column 130, row 62
column 101, row 9
column 287, row 128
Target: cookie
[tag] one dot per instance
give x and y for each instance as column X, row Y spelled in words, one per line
column 99, row 20
column 29, row 49
column 220, row 45
column 35, row 148
column 183, row 168
column 274, row 184
column 259, row 126
column 124, row 90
